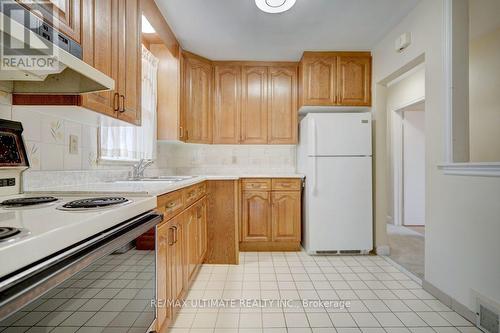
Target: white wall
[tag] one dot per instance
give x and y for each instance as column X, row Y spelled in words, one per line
column 403, row 91
column 462, row 215
column 484, row 85
column 413, row 167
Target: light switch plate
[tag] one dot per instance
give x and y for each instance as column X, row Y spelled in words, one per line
column 73, row 144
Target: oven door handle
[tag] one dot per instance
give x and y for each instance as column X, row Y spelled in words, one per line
column 20, row 289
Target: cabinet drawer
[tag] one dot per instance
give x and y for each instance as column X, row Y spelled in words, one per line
column 171, row 204
column 288, row 184
column 256, row 184
column 193, row 193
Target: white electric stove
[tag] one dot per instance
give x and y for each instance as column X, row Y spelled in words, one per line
column 46, row 240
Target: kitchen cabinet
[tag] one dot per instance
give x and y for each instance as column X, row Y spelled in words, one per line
column 177, row 255
column 65, row 15
column 227, row 104
column 256, row 216
column 254, row 99
column 354, row 81
column 201, row 216
column 317, row 75
column 99, row 42
column 181, row 246
column 163, row 276
column 111, row 43
column 192, row 235
column 283, row 113
column 335, row 79
column 196, row 101
column 129, row 58
column 271, row 215
column 286, row 216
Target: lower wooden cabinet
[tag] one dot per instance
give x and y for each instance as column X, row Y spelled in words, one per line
column 181, row 248
column 286, row 216
column 270, row 216
column 256, row 216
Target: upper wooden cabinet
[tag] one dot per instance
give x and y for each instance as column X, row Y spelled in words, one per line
column 283, row 113
column 227, row 104
column 129, row 60
column 354, row 80
column 111, row 43
column 64, row 15
column 254, row 104
column 318, row 82
column 99, row 41
column 196, row 101
column 335, row 79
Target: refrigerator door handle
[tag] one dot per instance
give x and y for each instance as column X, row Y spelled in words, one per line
column 313, row 130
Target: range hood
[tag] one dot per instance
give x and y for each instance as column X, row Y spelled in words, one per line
column 27, row 72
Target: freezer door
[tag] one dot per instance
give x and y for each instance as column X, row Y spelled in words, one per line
column 339, row 134
column 338, row 204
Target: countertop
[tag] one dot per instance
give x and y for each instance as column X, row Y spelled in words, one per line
column 144, row 188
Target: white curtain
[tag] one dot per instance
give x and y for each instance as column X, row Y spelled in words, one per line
column 130, row 143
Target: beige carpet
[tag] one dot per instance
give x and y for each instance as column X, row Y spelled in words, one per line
column 407, row 248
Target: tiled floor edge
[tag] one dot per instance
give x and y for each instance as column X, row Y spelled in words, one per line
column 404, row 270
column 449, row 301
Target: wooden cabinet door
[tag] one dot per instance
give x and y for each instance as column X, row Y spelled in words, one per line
column 254, row 105
column 286, row 216
column 201, row 214
column 64, row 15
column 129, row 60
column 318, row 80
column 191, row 239
column 99, row 43
column 283, row 113
column 177, row 257
column 354, row 80
column 256, row 216
column 163, row 276
column 197, row 100
column 227, row 104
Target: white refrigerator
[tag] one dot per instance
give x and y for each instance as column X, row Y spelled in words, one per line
column 335, row 154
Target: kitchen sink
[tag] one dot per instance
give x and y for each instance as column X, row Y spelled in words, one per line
column 166, row 179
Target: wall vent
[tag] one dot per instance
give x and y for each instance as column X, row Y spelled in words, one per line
column 488, row 319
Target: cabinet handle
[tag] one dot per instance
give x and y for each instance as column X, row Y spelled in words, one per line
column 116, row 102
column 171, row 205
column 181, row 132
column 171, row 233
column 175, row 234
column 122, row 99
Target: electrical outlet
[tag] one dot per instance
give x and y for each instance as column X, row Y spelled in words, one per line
column 73, row 144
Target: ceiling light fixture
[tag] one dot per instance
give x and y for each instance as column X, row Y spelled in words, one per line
column 274, row 6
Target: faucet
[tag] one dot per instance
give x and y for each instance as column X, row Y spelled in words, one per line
column 138, row 168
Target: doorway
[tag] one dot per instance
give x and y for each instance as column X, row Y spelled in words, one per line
column 406, row 225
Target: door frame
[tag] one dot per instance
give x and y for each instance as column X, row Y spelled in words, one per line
column 397, row 134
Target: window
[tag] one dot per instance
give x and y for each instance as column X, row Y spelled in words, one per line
column 127, row 143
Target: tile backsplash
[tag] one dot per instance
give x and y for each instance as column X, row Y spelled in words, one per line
column 219, row 159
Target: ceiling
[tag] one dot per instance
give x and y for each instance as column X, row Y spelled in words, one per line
column 238, row 30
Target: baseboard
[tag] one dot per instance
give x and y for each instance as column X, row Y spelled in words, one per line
column 383, row 250
column 449, row 301
column 270, row 247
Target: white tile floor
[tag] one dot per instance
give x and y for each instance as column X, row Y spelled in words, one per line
column 378, row 298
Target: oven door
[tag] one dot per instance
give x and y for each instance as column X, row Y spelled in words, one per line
column 89, row 287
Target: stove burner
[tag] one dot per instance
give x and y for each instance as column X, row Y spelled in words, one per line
column 8, row 234
column 25, row 202
column 94, row 203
